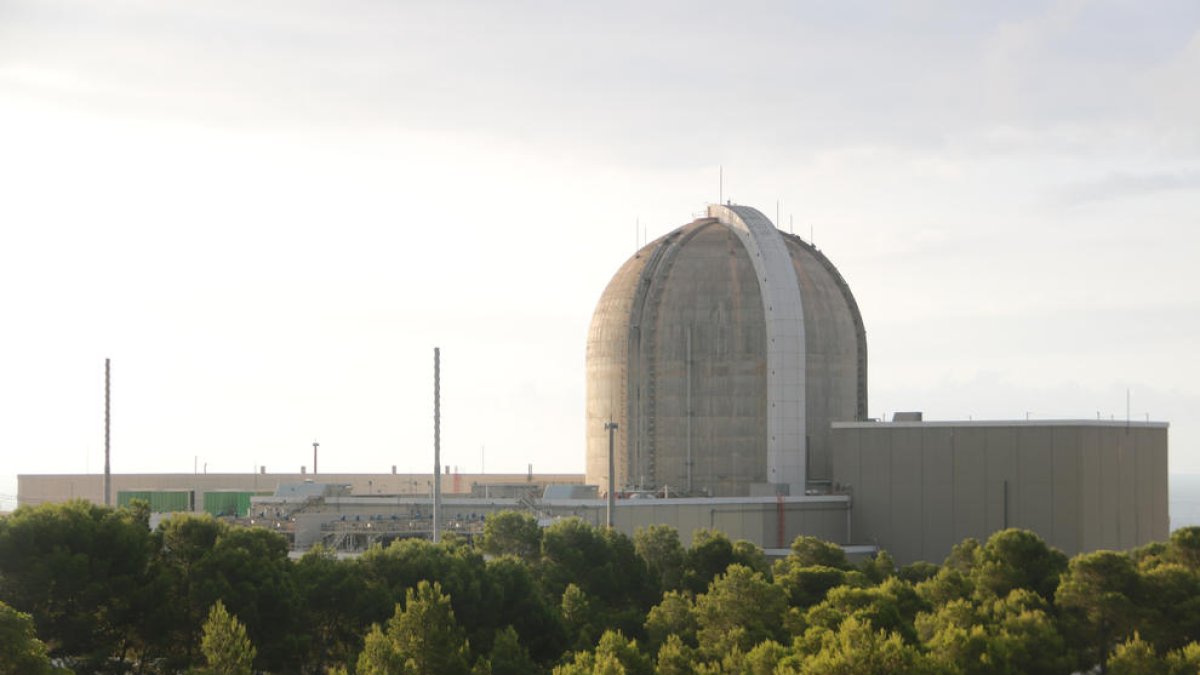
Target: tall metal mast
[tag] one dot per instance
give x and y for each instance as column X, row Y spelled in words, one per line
column 107, row 426
column 437, row 446
column 611, row 428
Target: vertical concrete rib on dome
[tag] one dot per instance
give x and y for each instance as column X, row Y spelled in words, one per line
column 786, row 354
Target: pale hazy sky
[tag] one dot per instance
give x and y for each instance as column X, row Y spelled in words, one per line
column 268, row 213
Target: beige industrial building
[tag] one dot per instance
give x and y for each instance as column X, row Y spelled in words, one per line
column 351, row 523
column 732, row 359
column 918, row 488
column 912, row 488
column 349, row 512
column 36, row 489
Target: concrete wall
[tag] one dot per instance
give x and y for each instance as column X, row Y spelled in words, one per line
column 37, row 489
column 703, row 300
column 607, row 385
column 677, row 356
column 836, row 353
column 919, row 488
column 692, row 293
column 770, row 523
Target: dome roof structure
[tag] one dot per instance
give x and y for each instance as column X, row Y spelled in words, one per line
column 723, row 351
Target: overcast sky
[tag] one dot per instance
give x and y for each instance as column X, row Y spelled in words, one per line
column 268, row 213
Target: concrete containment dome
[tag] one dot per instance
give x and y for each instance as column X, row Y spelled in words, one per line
column 723, row 351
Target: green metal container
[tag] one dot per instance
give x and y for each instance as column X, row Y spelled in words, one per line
column 161, row 501
column 229, row 502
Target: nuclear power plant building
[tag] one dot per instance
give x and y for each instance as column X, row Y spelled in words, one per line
column 723, row 351
column 732, row 358
column 727, row 365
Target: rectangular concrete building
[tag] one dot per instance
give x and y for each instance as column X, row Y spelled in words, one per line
column 769, row 522
column 35, row 489
column 379, row 507
column 918, row 488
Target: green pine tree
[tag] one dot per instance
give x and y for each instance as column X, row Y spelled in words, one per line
column 422, row 638
column 225, row 645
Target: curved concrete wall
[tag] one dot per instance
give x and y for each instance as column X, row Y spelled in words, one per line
column 679, row 356
column 835, row 352
column 783, row 307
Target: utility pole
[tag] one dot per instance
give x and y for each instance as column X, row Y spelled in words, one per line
column 107, row 426
column 611, row 428
column 437, row 446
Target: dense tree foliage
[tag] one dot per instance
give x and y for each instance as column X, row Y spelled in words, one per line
column 77, row 569
column 512, row 533
column 21, row 652
column 227, row 649
column 94, row 590
column 509, row 656
column 422, row 638
column 741, row 609
column 659, row 547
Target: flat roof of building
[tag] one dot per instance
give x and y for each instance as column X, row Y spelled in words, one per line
column 670, row 501
column 1005, row 423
